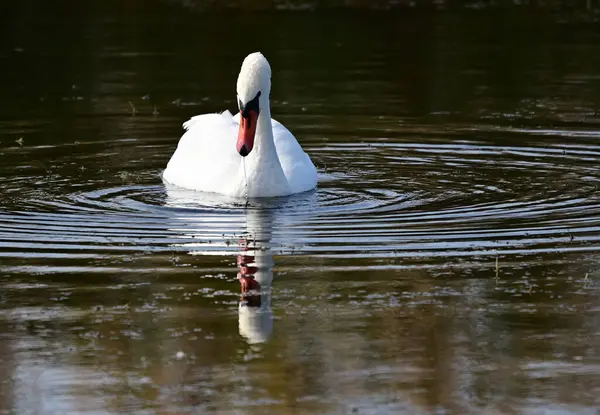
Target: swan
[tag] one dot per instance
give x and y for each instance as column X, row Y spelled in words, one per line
column 246, row 155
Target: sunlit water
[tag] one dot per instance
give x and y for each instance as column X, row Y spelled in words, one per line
column 446, row 263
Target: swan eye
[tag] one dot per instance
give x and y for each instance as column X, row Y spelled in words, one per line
column 252, row 105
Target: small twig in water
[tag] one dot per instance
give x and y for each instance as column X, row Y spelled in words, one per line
column 497, row 269
column 133, row 111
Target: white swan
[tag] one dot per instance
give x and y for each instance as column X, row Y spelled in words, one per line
column 257, row 157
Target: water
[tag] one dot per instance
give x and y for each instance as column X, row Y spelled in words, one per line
column 447, row 262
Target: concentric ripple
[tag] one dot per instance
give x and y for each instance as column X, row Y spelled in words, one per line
column 425, row 194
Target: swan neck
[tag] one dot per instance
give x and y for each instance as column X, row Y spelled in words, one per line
column 264, row 133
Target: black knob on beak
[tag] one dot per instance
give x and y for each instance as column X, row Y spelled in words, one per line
column 243, row 151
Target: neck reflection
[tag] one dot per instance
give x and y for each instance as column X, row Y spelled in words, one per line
column 255, row 262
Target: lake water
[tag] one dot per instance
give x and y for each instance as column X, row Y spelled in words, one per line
column 446, row 264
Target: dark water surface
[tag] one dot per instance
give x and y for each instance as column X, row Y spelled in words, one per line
column 447, row 263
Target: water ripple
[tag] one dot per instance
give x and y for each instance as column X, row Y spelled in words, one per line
column 384, row 198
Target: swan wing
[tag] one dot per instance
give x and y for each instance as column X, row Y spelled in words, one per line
column 206, row 158
column 297, row 165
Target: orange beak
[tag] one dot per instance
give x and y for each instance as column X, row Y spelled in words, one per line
column 245, row 141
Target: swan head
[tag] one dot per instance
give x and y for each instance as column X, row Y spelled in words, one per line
column 253, row 87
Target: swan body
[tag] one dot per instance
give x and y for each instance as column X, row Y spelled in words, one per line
column 246, row 155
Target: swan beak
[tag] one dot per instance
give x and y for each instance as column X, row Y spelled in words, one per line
column 245, row 142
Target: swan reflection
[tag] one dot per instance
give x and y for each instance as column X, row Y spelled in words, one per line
column 255, row 275
column 254, row 258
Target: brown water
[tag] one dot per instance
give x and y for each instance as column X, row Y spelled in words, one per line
column 447, row 262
